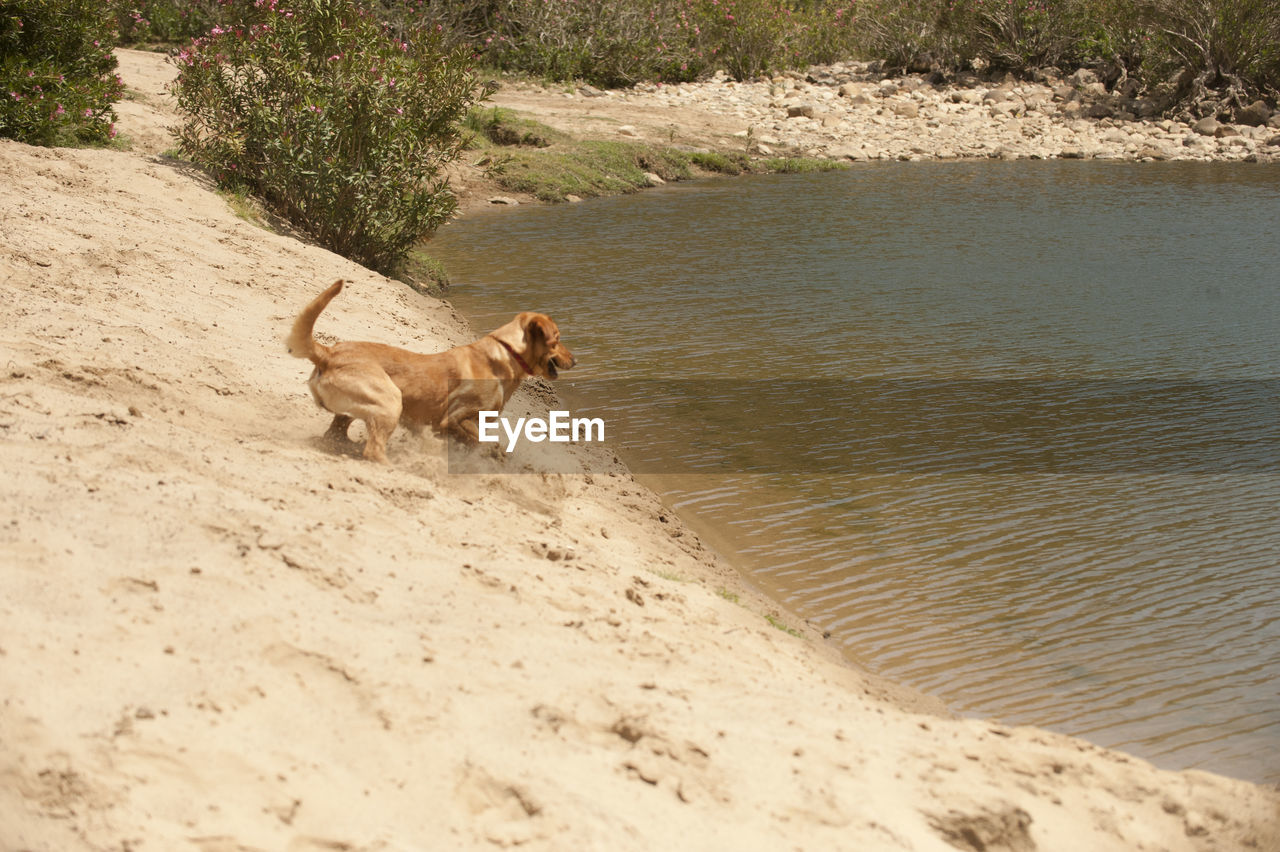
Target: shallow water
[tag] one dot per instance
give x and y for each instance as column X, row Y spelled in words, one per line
column 1008, row 431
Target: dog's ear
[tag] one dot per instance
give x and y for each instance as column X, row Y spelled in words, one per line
column 537, row 326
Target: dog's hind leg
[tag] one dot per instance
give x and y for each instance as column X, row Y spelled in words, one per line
column 380, row 414
column 361, row 392
column 337, row 431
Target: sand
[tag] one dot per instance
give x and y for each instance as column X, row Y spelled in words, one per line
column 216, row 633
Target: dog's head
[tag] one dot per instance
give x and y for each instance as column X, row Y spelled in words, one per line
column 543, row 351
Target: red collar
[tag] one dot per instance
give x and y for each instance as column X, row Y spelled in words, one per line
column 515, row 354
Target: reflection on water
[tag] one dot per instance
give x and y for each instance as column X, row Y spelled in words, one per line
column 1137, row 605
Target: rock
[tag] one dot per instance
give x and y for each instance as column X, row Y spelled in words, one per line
column 887, row 89
column 590, row 91
column 1151, row 152
column 861, row 99
column 1035, row 101
column 1065, row 93
column 922, row 63
column 1255, row 114
column 1046, row 76
column 1099, row 111
column 995, row 96
column 1274, row 142
column 1072, row 154
column 627, row 130
column 848, row 90
column 1224, row 130
column 1083, row 77
column 801, row 111
column 906, row 109
column 503, row 199
column 1145, row 108
column 1206, row 126
column 572, row 199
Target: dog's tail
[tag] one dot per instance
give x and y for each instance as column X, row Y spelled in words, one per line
column 300, row 342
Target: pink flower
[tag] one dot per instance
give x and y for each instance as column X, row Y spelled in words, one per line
column 60, row 110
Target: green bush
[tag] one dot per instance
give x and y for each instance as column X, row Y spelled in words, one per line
column 621, row 42
column 1016, row 35
column 151, row 21
column 57, row 80
column 607, row 42
column 316, row 107
column 1235, row 42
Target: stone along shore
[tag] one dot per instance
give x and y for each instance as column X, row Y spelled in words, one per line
column 850, row 111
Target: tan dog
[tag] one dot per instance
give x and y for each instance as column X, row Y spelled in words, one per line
column 384, row 385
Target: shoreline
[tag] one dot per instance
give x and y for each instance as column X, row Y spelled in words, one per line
column 220, row 635
column 849, row 114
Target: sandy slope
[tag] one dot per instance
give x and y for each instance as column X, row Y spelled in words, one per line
column 217, row 634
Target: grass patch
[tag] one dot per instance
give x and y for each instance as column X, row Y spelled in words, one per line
column 781, row 625
column 592, row 168
column 505, row 127
column 800, row 165
column 588, row 169
column 731, row 597
column 245, row 206
column 424, row 273
column 722, row 164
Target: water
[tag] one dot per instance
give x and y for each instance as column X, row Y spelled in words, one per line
column 1129, row 598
